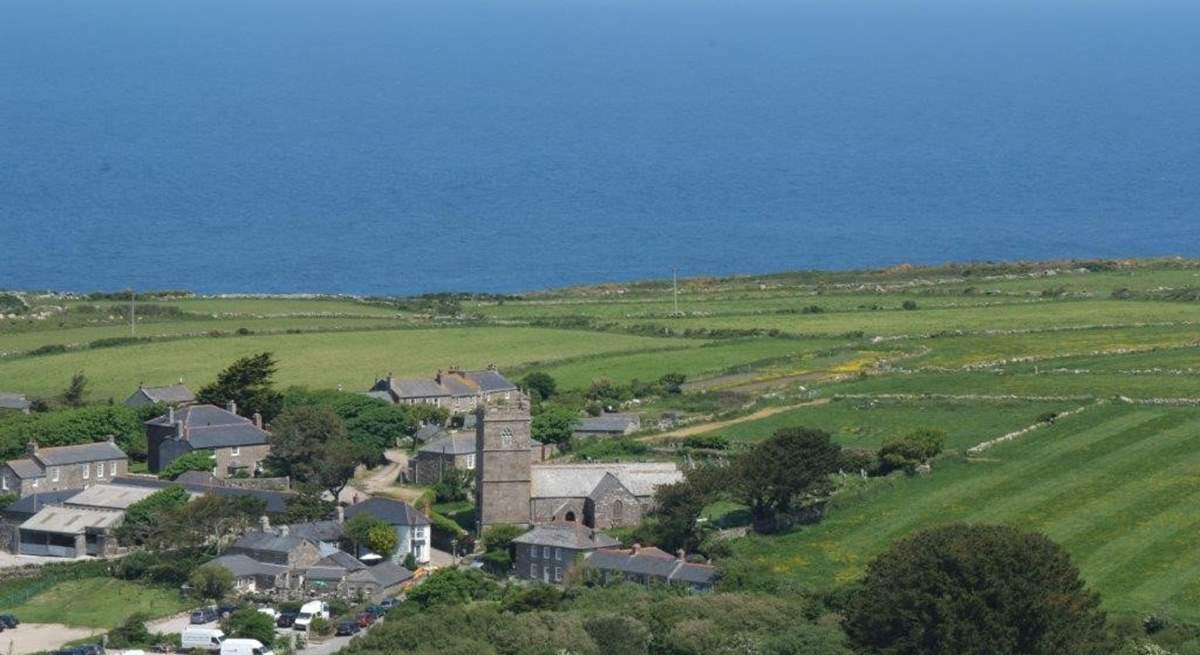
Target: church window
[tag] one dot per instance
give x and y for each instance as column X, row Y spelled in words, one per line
column 506, row 438
column 618, row 512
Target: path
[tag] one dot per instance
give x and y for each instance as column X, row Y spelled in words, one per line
column 379, row 480
column 709, row 427
column 40, row 637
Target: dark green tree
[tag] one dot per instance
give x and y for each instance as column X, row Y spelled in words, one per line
column 247, row 382
column 678, row 506
column 976, row 589
column 211, row 581
column 307, row 505
column 540, row 383
column 554, row 425
column 249, row 623
column 144, row 518
column 76, row 390
column 909, row 451
column 771, row 476
column 672, row 383
column 197, row 460
column 309, row 444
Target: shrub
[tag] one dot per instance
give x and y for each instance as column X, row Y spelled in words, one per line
column 860, row 459
column 321, row 627
column 710, row 441
column 197, row 460
column 249, row 623
column 212, row 581
column 909, row 305
column 1047, row 417
column 132, row 632
column 911, row 450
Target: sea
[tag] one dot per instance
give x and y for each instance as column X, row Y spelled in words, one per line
column 413, row 146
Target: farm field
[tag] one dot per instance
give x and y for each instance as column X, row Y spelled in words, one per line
column 325, row 360
column 856, row 423
column 1116, row 485
column 99, row 603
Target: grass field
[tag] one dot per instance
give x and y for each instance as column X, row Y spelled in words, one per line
column 867, row 423
column 353, row 360
column 100, row 603
column 1116, row 485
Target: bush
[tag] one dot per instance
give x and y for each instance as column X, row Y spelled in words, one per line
column 708, row 441
column 197, row 460
column 321, row 627
column 860, row 459
column 249, row 623
column 455, row 486
column 1047, row 417
column 610, row 448
column 212, row 581
column 911, row 450
column 909, row 305
column 131, row 633
column 448, row 587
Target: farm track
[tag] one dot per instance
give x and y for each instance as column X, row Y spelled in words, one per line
column 765, row 412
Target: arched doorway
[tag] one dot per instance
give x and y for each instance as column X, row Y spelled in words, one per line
column 570, row 516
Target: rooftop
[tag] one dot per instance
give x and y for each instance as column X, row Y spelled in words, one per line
column 174, row 393
column 78, row 454
column 456, row 443
column 608, row 423
column 209, row 426
column 651, row 562
column 276, row 501
column 13, row 401
column 71, row 520
column 395, row 512
column 579, row 480
column 109, row 496
column 242, row 566
column 567, row 535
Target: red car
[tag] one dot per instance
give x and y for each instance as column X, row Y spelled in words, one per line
column 365, row 619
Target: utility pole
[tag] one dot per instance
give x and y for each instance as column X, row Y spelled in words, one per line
column 675, row 287
column 132, row 313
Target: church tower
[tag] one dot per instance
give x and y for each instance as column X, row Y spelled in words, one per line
column 502, row 463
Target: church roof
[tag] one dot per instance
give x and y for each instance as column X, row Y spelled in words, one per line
column 580, row 480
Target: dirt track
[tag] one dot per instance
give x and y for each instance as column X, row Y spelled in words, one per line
column 709, row 427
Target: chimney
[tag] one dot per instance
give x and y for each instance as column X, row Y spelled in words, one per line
column 264, row 523
column 681, row 554
column 341, row 515
column 31, row 448
column 231, row 406
column 170, row 415
column 258, row 420
column 178, row 429
column 491, row 367
column 112, row 438
column 637, row 548
column 283, row 531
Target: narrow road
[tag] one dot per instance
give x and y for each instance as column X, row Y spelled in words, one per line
column 709, row 427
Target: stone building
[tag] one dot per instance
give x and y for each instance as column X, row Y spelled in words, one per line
column 452, row 450
column 549, row 552
column 458, row 390
column 174, row 394
column 511, row 489
column 650, row 566
column 15, row 402
column 237, row 444
column 608, row 425
column 62, row 467
column 414, row 532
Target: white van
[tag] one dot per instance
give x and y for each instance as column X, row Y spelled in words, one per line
column 309, row 611
column 201, row 638
column 244, row 647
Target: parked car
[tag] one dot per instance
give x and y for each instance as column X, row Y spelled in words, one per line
column 9, row 621
column 376, row 610
column 269, row 611
column 389, row 602
column 347, row 628
column 365, row 619
column 89, row 649
column 226, row 608
column 286, row 619
column 204, row 615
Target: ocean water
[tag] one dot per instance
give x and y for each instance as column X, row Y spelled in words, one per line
column 395, row 146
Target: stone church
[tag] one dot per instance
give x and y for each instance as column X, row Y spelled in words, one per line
column 511, row 488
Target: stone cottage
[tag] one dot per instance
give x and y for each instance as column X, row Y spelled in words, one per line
column 452, row 450
column 549, row 552
column 458, row 390
column 238, row 445
column 174, row 394
column 62, row 467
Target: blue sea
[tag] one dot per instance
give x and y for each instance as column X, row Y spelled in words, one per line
column 395, row 146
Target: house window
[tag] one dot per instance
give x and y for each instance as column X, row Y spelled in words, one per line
column 532, row 570
column 558, row 553
column 470, row 462
column 545, row 552
column 3, row 482
column 87, row 471
column 54, row 473
column 99, row 470
column 235, row 451
column 112, row 469
column 558, row 574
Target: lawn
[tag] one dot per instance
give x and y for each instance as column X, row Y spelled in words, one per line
column 1116, row 485
column 860, row 423
column 352, row 359
column 100, row 603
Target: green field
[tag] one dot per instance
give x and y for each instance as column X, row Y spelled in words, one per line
column 100, row 603
column 1115, row 485
column 867, row 423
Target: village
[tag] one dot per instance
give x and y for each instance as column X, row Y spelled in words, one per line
column 323, row 565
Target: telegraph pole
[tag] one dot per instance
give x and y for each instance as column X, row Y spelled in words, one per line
column 675, row 287
column 132, row 313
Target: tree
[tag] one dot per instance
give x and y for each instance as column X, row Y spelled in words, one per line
column 211, row 581
column 249, row 623
column 976, row 589
column 554, row 425
column 540, row 383
column 448, row 587
column 382, row 540
column 144, row 518
column 357, row 531
column 672, row 383
column 605, row 391
column 770, row 476
column 677, row 508
column 247, row 382
column 309, row 444
column 455, row 485
column 499, row 537
column 378, row 428
column 307, row 505
column 68, row 427
column 211, row 521
column 131, row 632
column 911, row 450
column 76, row 390
column 197, row 460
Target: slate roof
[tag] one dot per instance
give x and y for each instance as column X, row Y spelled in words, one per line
column 606, row 484
column 209, row 426
column 451, row 444
column 490, row 381
column 71, row 520
column 651, row 562
column 608, row 423
column 342, row 559
column 429, row 432
column 175, row 393
column 276, row 500
column 197, row 477
column 411, row 388
column 386, row 574
column 242, row 566
column 317, row 530
column 14, row 401
column 394, row 512
column 580, row 480
column 567, row 535
column 26, row 469
column 33, row 503
column 99, row 451
column 110, row 496
column 269, row 541
column 325, row 573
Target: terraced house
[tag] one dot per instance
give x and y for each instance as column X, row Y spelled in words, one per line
column 63, row 467
column 458, row 390
column 237, row 444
